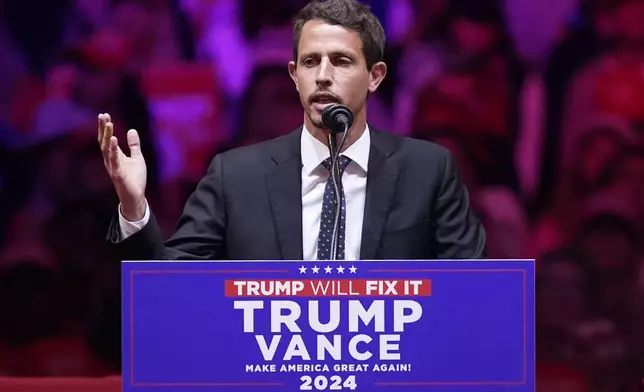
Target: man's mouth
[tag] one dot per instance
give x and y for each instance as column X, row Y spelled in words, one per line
column 321, row 101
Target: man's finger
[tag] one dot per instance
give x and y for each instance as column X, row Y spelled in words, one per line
column 103, row 120
column 101, row 128
column 107, row 135
column 134, row 142
column 113, row 156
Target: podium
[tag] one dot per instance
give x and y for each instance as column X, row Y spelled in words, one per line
column 391, row 325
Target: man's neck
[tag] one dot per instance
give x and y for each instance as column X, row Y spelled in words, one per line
column 356, row 130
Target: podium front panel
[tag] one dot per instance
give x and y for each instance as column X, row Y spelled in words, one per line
column 328, row 326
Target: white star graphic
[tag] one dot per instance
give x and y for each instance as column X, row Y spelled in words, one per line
column 315, row 269
column 302, row 269
column 327, row 269
column 340, row 269
column 352, row 269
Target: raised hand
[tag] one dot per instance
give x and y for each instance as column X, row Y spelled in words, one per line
column 128, row 173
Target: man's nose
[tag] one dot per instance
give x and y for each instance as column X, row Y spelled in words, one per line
column 324, row 76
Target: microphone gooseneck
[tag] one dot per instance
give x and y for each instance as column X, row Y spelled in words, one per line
column 337, row 118
column 337, row 183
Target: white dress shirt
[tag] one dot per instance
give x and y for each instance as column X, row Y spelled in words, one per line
column 314, row 178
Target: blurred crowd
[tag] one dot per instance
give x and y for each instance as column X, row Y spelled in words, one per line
column 541, row 103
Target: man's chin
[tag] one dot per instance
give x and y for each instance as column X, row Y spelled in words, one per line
column 316, row 120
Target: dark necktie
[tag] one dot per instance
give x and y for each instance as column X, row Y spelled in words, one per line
column 327, row 217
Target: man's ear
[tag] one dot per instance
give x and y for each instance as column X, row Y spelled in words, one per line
column 291, row 71
column 377, row 75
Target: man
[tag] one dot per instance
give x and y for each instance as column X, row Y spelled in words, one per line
column 402, row 197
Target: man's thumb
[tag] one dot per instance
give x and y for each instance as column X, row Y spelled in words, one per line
column 134, row 142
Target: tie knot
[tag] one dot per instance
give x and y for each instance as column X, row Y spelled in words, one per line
column 343, row 162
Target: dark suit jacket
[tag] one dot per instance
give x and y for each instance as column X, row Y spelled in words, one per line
column 249, row 207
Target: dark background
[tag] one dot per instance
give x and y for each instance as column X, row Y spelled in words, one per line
column 541, row 102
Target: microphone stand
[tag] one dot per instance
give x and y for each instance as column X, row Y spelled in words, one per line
column 334, row 152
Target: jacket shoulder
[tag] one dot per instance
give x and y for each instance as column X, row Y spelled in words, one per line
column 409, row 147
column 260, row 154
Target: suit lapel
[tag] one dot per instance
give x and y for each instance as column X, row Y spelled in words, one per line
column 284, row 186
column 381, row 186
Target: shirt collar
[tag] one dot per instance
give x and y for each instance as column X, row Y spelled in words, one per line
column 315, row 152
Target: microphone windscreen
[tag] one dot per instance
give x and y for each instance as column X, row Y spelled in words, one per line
column 336, row 117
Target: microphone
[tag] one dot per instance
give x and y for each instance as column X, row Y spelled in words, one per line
column 338, row 119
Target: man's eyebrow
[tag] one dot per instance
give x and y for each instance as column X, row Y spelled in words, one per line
column 335, row 53
column 306, row 54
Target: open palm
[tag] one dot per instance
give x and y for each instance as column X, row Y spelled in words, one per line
column 128, row 173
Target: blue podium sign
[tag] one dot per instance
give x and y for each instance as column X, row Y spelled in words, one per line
column 328, row 326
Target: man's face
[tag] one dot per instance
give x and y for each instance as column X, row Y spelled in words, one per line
column 331, row 68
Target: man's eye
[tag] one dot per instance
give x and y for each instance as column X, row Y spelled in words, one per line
column 308, row 62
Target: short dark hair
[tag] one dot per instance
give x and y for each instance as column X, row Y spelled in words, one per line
column 350, row 14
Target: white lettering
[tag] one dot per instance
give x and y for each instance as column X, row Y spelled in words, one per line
column 400, row 318
column 249, row 313
column 375, row 311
